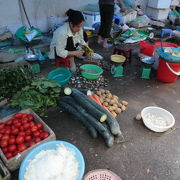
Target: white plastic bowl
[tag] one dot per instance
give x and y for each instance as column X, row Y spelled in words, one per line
column 157, row 111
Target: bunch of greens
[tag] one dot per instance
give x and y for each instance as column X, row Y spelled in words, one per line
column 13, row 79
column 40, row 95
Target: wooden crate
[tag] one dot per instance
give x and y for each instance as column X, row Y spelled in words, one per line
column 4, row 171
column 14, row 162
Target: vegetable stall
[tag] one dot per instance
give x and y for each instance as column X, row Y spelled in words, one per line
column 22, row 132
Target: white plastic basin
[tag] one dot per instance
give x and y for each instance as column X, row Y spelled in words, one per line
column 158, row 112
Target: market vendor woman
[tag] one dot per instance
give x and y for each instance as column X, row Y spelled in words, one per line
column 67, row 37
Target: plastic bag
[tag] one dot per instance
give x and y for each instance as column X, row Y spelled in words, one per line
column 170, row 57
column 22, row 31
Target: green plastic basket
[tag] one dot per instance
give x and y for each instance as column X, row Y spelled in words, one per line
column 91, row 71
column 60, row 75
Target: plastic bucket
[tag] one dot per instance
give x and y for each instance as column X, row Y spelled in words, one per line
column 167, row 71
column 146, row 48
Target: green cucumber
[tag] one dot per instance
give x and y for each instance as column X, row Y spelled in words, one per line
column 85, row 101
column 73, row 111
column 109, row 139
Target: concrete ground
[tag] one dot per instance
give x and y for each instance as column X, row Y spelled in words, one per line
column 144, row 155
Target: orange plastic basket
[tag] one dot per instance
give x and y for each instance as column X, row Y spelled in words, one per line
column 101, row 174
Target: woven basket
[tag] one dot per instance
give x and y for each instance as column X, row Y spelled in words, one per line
column 101, row 174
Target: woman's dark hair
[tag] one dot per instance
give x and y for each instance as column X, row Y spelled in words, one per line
column 74, row 17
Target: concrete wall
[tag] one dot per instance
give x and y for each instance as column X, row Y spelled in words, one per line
column 38, row 11
column 11, row 13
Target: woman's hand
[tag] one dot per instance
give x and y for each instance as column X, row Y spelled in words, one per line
column 79, row 53
column 123, row 9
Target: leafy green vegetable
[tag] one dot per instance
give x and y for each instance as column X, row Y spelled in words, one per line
column 40, row 95
column 13, row 79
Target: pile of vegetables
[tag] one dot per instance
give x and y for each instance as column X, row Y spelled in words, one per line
column 111, row 102
column 40, row 95
column 13, row 79
column 19, row 133
column 93, row 116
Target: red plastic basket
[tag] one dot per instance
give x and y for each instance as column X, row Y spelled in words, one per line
column 101, row 174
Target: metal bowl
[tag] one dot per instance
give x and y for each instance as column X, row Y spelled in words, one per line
column 31, row 57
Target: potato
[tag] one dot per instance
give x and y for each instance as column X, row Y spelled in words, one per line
column 107, row 100
column 107, row 92
column 104, row 96
column 115, row 105
column 109, row 95
column 105, row 104
column 120, row 105
column 114, row 114
column 118, row 111
column 123, row 108
column 115, row 100
column 113, row 108
column 98, row 93
column 115, row 97
column 125, row 103
column 138, row 117
column 110, row 108
column 102, row 91
column 112, row 102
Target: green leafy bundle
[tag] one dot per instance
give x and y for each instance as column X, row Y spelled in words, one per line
column 13, row 79
column 40, row 95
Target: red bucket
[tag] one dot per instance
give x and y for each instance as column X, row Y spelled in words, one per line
column 168, row 71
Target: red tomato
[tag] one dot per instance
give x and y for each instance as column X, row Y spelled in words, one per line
column 37, row 139
column 31, row 143
column 28, row 132
column 15, row 121
column 31, row 124
column 1, row 136
column 15, row 131
column 17, row 125
column 5, row 137
column 22, row 147
column 18, row 115
column 28, row 138
column 19, row 139
column 7, row 131
column 10, row 122
column 2, row 131
column 11, row 148
column 36, row 134
column 5, row 149
column 7, row 127
column 39, row 125
column 15, row 153
column 24, row 115
column 34, row 128
column 8, row 155
column 25, row 120
column 3, row 143
column 12, row 127
column 21, row 133
column 2, row 126
column 26, row 126
column 12, row 140
column 21, row 128
column 30, row 117
column 44, row 135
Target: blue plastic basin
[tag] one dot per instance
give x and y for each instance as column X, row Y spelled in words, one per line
column 47, row 146
column 60, row 75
